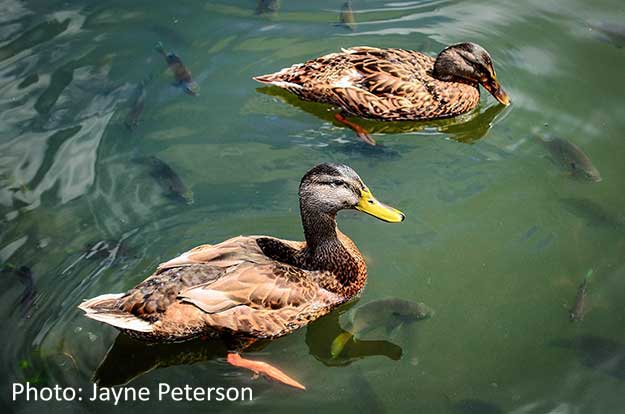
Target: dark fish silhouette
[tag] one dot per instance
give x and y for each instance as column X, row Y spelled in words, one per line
column 267, row 6
column 577, row 311
column 594, row 213
column 169, row 180
column 389, row 314
column 571, row 158
column 596, row 352
column 181, row 73
column 132, row 119
column 365, row 396
column 346, row 17
column 25, row 276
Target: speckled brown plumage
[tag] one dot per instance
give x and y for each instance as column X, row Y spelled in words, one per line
column 236, row 288
column 382, row 84
column 250, row 286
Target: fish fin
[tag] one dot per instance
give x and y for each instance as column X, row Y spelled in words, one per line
column 393, row 331
column 338, row 344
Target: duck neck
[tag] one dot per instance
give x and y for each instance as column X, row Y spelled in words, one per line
column 324, row 251
column 320, row 233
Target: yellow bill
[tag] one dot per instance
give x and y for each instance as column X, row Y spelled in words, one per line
column 370, row 205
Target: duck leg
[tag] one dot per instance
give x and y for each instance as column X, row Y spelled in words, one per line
column 360, row 131
column 264, row 368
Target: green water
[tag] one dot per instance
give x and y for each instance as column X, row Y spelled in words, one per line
column 497, row 237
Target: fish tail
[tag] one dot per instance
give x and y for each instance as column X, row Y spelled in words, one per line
column 588, row 275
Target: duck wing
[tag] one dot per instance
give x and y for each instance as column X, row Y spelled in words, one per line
column 390, row 84
column 230, row 286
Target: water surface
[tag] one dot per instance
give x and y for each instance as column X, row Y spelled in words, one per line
column 497, row 237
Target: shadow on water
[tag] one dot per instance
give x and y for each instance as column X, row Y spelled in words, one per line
column 596, row 352
column 321, row 334
column 466, row 128
column 129, row 358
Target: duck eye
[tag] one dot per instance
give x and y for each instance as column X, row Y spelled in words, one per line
column 336, row 183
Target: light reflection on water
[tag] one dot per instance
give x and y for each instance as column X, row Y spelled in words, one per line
column 497, row 237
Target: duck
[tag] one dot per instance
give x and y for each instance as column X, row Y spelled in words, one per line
column 393, row 84
column 254, row 287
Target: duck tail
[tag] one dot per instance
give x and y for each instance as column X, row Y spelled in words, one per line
column 285, row 78
column 104, row 309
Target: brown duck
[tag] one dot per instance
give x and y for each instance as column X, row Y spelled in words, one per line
column 253, row 287
column 393, row 84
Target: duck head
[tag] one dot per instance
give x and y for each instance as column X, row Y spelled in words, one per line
column 329, row 188
column 468, row 62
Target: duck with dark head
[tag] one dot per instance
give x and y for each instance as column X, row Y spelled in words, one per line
column 393, row 84
column 252, row 287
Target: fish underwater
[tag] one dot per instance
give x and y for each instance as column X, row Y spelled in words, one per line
column 596, row 352
column 181, row 73
column 365, row 395
column 168, row 179
column 390, row 314
column 578, row 310
column 346, row 17
column 267, row 6
column 593, row 213
column 27, row 298
column 571, row 158
column 138, row 105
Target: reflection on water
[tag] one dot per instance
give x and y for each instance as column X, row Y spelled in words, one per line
column 321, row 334
column 495, row 238
column 465, row 128
column 129, row 358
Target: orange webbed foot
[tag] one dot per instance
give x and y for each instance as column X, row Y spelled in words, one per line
column 263, row 368
column 360, row 131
